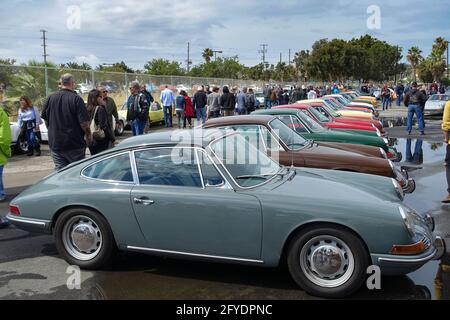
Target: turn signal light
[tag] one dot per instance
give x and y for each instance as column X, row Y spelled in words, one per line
column 14, row 210
column 416, row 248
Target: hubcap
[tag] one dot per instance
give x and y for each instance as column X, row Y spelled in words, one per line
column 327, row 261
column 82, row 238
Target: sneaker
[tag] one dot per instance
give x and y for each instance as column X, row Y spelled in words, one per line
column 422, row 133
column 446, row 200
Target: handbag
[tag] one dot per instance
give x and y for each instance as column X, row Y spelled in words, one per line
column 97, row 132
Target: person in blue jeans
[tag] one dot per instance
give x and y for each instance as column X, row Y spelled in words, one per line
column 199, row 102
column 138, row 109
column 29, row 121
column 5, row 153
column 167, row 100
column 386, row 96
column 414, row 100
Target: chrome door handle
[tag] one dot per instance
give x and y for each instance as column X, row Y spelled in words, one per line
column 143, row 201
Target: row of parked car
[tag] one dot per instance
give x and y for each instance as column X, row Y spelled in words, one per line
column 311, row 185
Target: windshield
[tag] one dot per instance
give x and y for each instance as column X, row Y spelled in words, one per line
column 438, row 97
column 310, row 122
column 290, row 138
column 318, row 115
column 342, row 100
column 248, row 166
column 331, row 104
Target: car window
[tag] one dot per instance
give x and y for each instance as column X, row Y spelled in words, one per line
column 292, row 139
column 211, row 177
column 168, row 167
column 318, row 115
column 117, row 169
column 309, row 122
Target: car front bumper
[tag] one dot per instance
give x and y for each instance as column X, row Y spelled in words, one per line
column 30, row 225
column 401, row 265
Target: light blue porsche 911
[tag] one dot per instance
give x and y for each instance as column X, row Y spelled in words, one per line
column 212, row 195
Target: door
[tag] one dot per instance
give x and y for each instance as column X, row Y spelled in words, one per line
column 183, row 209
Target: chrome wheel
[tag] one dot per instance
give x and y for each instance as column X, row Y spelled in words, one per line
column 82, row 238
column 23, row 146
column 327, row 261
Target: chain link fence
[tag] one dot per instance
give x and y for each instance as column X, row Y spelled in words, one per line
column 16, row 81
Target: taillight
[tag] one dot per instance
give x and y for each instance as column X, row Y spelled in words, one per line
column 390, row 155
column 14, row 210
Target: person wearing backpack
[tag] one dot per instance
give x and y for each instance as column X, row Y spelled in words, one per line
column 101, row 130
column 138, row 109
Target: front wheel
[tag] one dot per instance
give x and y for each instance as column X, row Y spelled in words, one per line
column 328, row 262
column 84, row 238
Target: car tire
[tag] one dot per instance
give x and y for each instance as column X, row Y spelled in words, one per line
column 120, row 129
column 92, row 247
column 21, row 146
column 342, row 275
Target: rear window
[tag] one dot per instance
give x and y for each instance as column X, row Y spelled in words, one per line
column 115, row 169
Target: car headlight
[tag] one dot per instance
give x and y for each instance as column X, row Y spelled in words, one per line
column 398, row 188
column 383, row 153
column 409, row 219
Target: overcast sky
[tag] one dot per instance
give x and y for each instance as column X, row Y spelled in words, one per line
column 138, row 31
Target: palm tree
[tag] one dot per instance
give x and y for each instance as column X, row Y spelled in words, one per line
column 414, row 58
column 207, row 55
column 440, row 46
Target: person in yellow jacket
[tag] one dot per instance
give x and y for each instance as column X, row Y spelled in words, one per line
column 446, row 129
column 5, row 153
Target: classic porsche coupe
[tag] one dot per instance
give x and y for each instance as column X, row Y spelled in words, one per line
column 212, row 195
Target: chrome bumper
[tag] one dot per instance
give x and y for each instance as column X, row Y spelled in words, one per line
column 30, row 225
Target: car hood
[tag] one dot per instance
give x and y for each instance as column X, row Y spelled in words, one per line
column 435, row 105
column 354, row 148
column 345, row 186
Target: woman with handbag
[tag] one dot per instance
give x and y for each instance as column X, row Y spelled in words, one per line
column 29, row 121
column 102, row 137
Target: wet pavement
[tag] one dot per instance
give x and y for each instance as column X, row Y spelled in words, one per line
column 31, row 269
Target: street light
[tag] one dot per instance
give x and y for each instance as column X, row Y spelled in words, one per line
column 215, row 54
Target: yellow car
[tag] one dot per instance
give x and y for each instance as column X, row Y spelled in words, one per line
column 156, row 114
column 371, row 100
column 344, row 113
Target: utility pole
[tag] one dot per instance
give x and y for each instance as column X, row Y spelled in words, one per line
column 188, row 62
column 44, row 44
column 263, row 52
column 281, row 57
column 447, row 60
column 289, row 57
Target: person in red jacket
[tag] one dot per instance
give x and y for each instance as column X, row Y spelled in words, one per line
column 188, row 111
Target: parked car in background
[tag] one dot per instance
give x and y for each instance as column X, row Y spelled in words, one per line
column 181, row 87
column 260, row 97
column 143, row 196
column 156, row 115
column 435, row 104
column 19, row 142
column 111, row 86
column 84, row 88
column 289, row 148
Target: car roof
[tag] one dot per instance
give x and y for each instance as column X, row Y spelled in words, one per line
column 311, row 101
column 197, row 137
column 276, row 111
column 249, row 119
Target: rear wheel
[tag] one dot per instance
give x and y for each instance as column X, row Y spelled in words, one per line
column 21, row 146
column 84, row 238
column 328, row 262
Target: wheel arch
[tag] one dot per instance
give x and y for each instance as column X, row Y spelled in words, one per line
column 318, row 224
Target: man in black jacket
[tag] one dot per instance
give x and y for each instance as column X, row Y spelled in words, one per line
column 414, row 100
column 227, row 102
column 138, row 109
column 199, row 103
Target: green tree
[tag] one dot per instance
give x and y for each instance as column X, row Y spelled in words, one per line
column 414, row 57
column 76, row 66
column 7, row 71
column 116, row 67
column 301, row 65
column 163, row 67
column 207, row 55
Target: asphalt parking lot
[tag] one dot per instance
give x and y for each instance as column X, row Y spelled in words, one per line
column 31, row 269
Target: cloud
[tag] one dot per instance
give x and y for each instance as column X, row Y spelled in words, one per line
column 90, row 59
column 136, row 31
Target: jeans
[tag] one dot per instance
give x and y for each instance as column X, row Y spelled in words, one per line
column 181, row 120
column 242, row 111
column 215, row 114
column 201, row 114
column 399, row 100
column 414, row 109
column 385, row 103
column 168, row 116
column 2, row 190
column 447, row 167
column 268, row 104
column 31, row 139
column 63, row 158
column 138, row 126
column 417, row 157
